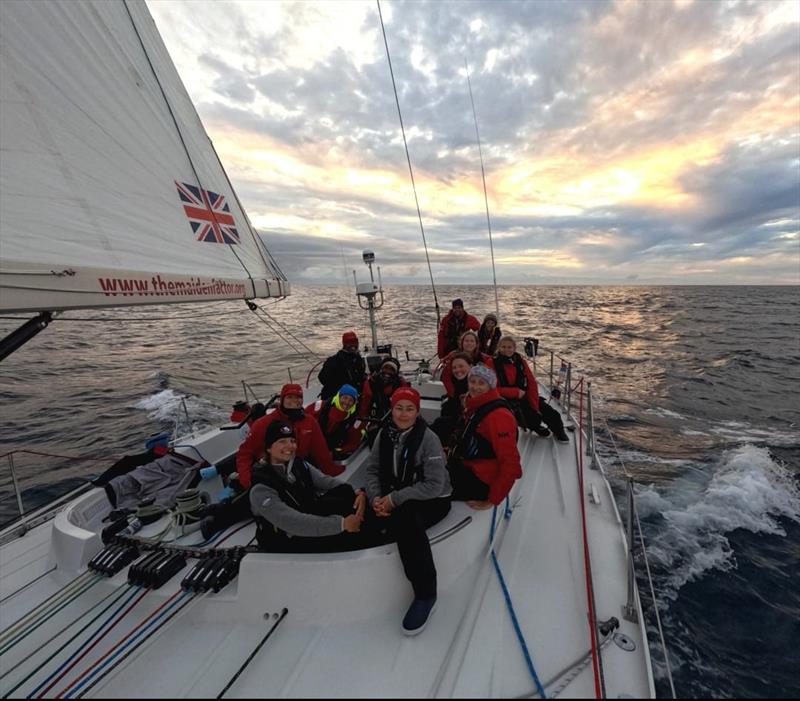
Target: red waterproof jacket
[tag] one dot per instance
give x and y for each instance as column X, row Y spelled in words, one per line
column 311, row 445
column 353, row 435
column 499, row 428
column 450, row 329
column 509, row 370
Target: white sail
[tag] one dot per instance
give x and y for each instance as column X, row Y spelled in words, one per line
column 111, row 191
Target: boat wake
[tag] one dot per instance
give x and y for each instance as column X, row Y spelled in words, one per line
column 166, row 404
column 690, row 521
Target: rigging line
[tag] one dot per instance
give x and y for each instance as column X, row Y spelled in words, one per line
column 597, row 659
column 485, row 194
column 655, row 605
column 119, row 594
column 86, row 647
column 47, row 615
column 25, row 586
column 183, row 142
column 66, row 627
column 288, row 331
column 117, row 667
column 171, row 606
column 253, row 654
column 646, row 565
column 28, row 617
column 410, row 169
column 283, row 338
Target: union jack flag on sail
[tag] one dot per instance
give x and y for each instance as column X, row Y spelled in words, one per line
column 208, row 213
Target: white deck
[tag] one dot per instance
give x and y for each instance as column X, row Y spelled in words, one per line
column 342, row 636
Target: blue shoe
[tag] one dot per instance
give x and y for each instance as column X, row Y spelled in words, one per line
column 417, row 616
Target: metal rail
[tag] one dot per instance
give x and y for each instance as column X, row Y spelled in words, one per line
column 632, row 525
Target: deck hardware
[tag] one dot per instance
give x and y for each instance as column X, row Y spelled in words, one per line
column 624, row 642
column 609, row 626
column 593, row 495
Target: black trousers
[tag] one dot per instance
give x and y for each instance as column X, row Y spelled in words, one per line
column 528, row 417
column 466, row 486
column 335, row 502
column 407, row 525
column 551, row 417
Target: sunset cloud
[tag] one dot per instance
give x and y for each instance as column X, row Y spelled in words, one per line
column 652, row 141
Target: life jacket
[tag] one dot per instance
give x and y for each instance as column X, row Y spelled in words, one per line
column 300, row 495
column 470, row 444
column 451, row 406
column 488, row 341
column 500, row 361
column 381, row 401
column 407, row 471
column 337, row 437
column 453, row 330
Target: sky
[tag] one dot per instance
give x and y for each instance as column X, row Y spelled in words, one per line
column 642, row 142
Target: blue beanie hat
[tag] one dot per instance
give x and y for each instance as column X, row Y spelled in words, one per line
column 348, row 390
column 458, row 303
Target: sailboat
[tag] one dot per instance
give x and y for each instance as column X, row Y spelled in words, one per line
column 113, row 195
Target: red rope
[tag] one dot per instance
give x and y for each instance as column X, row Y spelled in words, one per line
column 586, row 563
column 60, row 694
column 86, row 651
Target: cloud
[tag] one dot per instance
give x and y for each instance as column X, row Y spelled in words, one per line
column 621, row 140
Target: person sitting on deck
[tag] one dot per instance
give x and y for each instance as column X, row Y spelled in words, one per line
column 345, row 367
column 518, row 386
column 296, row 507
column 489, row 335
column 453, row 324
column 485, row 462
column 376, row 394
column 454, row 378
column 339, row 421
column 409, row 489
column 470, row 344
column 311, row 442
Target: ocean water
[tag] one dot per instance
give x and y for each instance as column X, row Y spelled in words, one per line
column 695, row 399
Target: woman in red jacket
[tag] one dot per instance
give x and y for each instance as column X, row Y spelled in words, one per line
column 516, row 384
column 310, row 441
column 485, row 462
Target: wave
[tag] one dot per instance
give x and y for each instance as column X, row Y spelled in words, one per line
column 691, row 520
column 167, row 405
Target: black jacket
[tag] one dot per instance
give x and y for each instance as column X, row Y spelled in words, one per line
column 343, row 368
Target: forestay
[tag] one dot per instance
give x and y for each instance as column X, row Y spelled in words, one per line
column 112, row 192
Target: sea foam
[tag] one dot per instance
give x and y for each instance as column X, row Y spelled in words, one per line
column 747, row 489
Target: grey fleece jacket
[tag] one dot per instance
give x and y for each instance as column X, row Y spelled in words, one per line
column 435, row 482
column 267, row 503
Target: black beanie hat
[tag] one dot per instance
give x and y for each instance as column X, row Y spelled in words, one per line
column 275, row 431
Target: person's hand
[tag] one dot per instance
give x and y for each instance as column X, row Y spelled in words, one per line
column 361, row 500
column 480, row 505
column 352, row 523
column 520, row 393
column 382, row 506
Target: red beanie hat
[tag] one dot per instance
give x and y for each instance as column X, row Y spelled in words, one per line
column 291, row 389
column 349, row 338
column 405, row 393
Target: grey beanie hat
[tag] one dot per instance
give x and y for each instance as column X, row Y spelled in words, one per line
column 485, row 373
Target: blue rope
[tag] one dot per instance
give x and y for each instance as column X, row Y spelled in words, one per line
column 88, row 640
column 510, row 606
column 77, row 687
